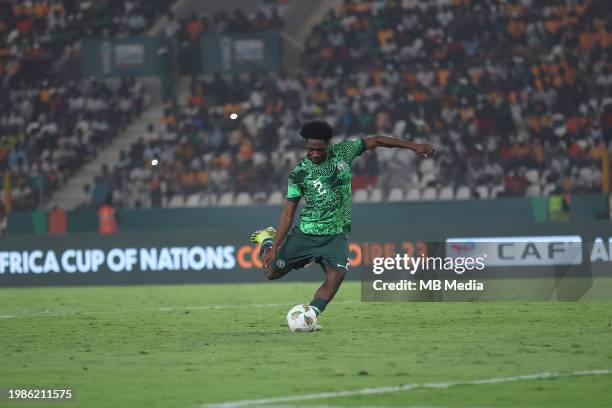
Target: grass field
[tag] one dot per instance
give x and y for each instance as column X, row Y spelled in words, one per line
column 194, row 345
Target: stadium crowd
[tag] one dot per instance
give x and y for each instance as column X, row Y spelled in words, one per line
column 515, row 92
column 515, row 95
column 51, row 131
column 193, row 27
column 49, row 123
column 188, row 31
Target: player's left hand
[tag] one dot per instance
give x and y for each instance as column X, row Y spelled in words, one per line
column 425, row 150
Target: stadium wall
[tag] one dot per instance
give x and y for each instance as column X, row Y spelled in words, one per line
column 503, row 210
column 225, row 255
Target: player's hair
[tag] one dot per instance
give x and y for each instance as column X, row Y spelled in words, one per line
column 317, row 129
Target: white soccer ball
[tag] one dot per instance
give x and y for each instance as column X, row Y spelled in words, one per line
column 301, row 318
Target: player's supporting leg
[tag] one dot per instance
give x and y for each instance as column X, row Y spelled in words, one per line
column 327, row 291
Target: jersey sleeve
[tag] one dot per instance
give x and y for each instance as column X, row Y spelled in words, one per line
column 294, row 193
column 350, row 149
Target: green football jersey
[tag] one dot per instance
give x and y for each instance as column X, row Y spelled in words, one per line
column 326, row 188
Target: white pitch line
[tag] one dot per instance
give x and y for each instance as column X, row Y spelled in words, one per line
column 372, row 406
column 397, row 388
column 49, row 313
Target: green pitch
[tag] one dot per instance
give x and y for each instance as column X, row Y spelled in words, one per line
column 188, row 346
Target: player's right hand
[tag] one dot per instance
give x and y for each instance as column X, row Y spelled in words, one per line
column 268, row 256
column 425, row 150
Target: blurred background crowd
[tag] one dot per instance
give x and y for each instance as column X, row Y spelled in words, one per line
column 515, row 95
column 50, row 124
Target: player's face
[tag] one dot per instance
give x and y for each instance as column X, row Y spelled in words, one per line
column 316, row 150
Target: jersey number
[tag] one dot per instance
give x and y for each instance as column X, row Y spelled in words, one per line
column 319, row 186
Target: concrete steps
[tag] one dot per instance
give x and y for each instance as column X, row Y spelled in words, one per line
column 70, row 195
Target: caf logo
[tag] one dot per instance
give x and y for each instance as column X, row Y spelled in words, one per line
column 280, row 263
column 341, row 165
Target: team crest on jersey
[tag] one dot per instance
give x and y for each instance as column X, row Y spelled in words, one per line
column 280, row 263
column 341, row 166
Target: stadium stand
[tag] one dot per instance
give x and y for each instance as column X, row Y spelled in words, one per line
column 488, row 83
column 49, row 123
column 515, row 95
column 188, row 31
column 502, row 87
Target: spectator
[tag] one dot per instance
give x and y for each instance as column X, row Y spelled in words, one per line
column 107, row 218
column 3, row 218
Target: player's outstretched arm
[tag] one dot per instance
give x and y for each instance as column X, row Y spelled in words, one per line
column 284, row 224
column 422, row 149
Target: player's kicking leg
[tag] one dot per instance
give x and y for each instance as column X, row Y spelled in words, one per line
column 302, row 251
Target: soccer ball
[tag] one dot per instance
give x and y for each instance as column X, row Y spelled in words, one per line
column 301, row 318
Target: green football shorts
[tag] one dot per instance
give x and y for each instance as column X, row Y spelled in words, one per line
column 299, row 249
